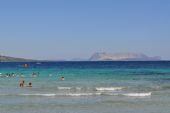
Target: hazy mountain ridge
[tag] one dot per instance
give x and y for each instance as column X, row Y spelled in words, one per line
column 122, row 57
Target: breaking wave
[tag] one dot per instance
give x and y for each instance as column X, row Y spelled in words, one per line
column 138, row 94
column 64, row 88
column 108, row 88
column 38, row 94
column 69, row 88
column 67, row 94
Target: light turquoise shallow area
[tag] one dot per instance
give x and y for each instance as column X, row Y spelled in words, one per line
column 89, row 87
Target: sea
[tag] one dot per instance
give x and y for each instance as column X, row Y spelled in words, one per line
column 88, row 87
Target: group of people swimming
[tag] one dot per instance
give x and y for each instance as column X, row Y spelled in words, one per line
column 8, row 75
column 22, row 84
column 34, row 74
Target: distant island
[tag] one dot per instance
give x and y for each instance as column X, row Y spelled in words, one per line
column 122, row 57
column 13, row 59
column 95, row 57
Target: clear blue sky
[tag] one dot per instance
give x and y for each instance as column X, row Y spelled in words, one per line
column 66, row 29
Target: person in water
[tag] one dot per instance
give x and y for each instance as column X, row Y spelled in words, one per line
column 22, row 83
column 29, row 84
column 62, row 78
column 25, row 65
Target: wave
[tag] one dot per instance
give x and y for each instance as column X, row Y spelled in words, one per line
column 91, row 94
column 82, row 94
column 64, row 88
column 138, row 94
column 38, row 94
column 68, row 94
column 96, row 89
column 69, row 88
column 108, row 88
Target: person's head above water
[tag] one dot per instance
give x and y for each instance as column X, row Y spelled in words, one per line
column 62, row 78
column 29, row 84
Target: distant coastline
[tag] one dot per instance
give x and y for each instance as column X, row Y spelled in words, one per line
column 94, row 58
column 14, row 59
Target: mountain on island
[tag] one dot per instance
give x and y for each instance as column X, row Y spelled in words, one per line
column 122, row 57
column 13, row 59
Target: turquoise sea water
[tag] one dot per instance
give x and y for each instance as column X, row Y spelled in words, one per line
column 89, row 87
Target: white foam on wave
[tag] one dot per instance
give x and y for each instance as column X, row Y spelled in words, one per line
column 108, row 88
column 138, row 94
column 82, row 94
column 64, row 88
column 61, row 94
column 69, row 88
column 110, row 94
column 39, row 94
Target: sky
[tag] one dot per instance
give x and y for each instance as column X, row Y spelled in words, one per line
column 66, row 29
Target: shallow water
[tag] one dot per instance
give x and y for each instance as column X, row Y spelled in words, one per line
column 89, row 87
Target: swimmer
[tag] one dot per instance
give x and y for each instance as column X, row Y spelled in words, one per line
column 62, row 78
column 25, row 65
column 22, row 83
column 30, row 84
column 34, row 76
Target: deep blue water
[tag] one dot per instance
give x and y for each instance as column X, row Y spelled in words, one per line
column 97, row 64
